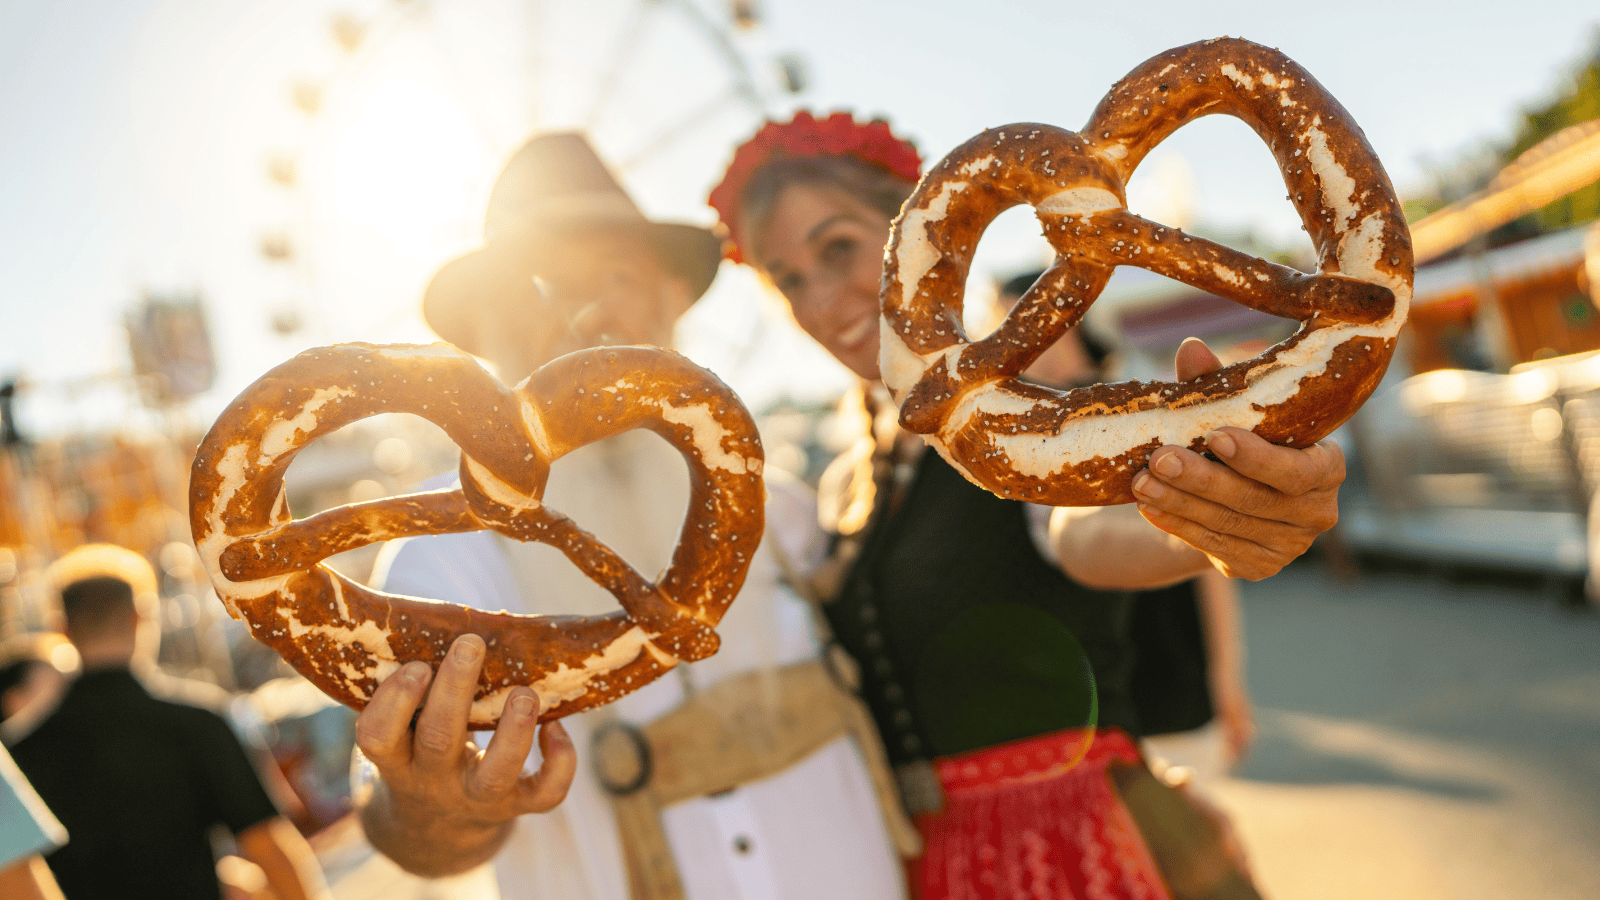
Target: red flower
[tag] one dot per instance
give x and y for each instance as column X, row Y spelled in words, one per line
column 805, row 135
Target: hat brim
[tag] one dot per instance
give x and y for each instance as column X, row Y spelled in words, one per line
column 501, row 271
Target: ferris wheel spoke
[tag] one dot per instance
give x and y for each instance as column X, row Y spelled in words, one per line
column 621, row 56
column 732, row 61
column 682, row 127
column 446, row 56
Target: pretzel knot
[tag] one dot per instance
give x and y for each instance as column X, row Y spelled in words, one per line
column 267, row 566
column 1083, row 447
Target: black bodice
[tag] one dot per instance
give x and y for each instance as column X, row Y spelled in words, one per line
column 966, row 636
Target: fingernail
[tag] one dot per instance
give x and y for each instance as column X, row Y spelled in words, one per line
column 1148, row 510
column 1169, row 465
column 555, row 731
column 1221, row 443
column 1147, row 486
column 523, row 706
column 467, row 651
column 415, row 671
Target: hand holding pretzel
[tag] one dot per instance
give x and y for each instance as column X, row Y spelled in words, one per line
column 1084, row 447
column 1250, row 506
column 267, row 566
column 1246, row 508
column 441, row 806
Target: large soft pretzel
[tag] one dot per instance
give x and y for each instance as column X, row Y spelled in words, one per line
column 1084, row 446
column 266, row 565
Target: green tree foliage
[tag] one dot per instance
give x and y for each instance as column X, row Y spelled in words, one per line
column 1575, row 102
column 1578, row 104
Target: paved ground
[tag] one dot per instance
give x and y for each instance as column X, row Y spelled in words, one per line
column 1420, row 737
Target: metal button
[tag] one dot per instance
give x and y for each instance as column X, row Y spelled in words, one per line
column 911, row 743
column 902, row 718
column 873, row 639
column 893, row 693
column 741, row 845
column 622, row 758
column 882, row 667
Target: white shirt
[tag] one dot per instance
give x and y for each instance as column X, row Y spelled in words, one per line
column 813, row 830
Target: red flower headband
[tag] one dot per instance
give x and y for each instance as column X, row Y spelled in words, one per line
column 803, row 136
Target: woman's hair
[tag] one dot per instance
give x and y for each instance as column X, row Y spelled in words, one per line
column 864, row 182
column 849, row 152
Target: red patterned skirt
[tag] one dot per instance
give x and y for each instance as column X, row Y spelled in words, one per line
column 1029, row 820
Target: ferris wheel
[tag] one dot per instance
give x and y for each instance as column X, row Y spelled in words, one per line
column 417, row 103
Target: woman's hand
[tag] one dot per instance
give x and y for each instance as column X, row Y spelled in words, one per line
column 442, row 806
column 1237, row 719
column 1222, row 625
column 1253, row 512
column 1247, row 516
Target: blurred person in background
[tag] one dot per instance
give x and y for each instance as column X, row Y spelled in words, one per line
column 1007, row 784
column 1187, row 681
column 33, row 675
column 570, row 262
column 27, row 829
column 139, row 779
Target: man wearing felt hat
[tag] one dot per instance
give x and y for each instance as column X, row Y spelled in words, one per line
column 624, row 806
column 568, row 261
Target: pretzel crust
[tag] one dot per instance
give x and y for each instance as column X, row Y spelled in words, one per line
column 1083, row 447
column 267, row 566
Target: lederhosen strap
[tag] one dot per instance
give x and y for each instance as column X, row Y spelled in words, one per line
column 740, row 730
column 845, row 682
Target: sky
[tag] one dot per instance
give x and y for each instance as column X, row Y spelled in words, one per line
column 135, row 138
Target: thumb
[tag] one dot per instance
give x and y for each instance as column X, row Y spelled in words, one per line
column 1195, row 359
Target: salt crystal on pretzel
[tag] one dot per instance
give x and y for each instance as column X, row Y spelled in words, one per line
column 1083, row 447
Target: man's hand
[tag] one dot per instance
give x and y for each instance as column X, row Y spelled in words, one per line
column 28, row 878
column 288, row 862
column 1256, row 510
column 442, row 806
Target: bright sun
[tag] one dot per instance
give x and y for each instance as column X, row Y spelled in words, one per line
column 396, row 185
